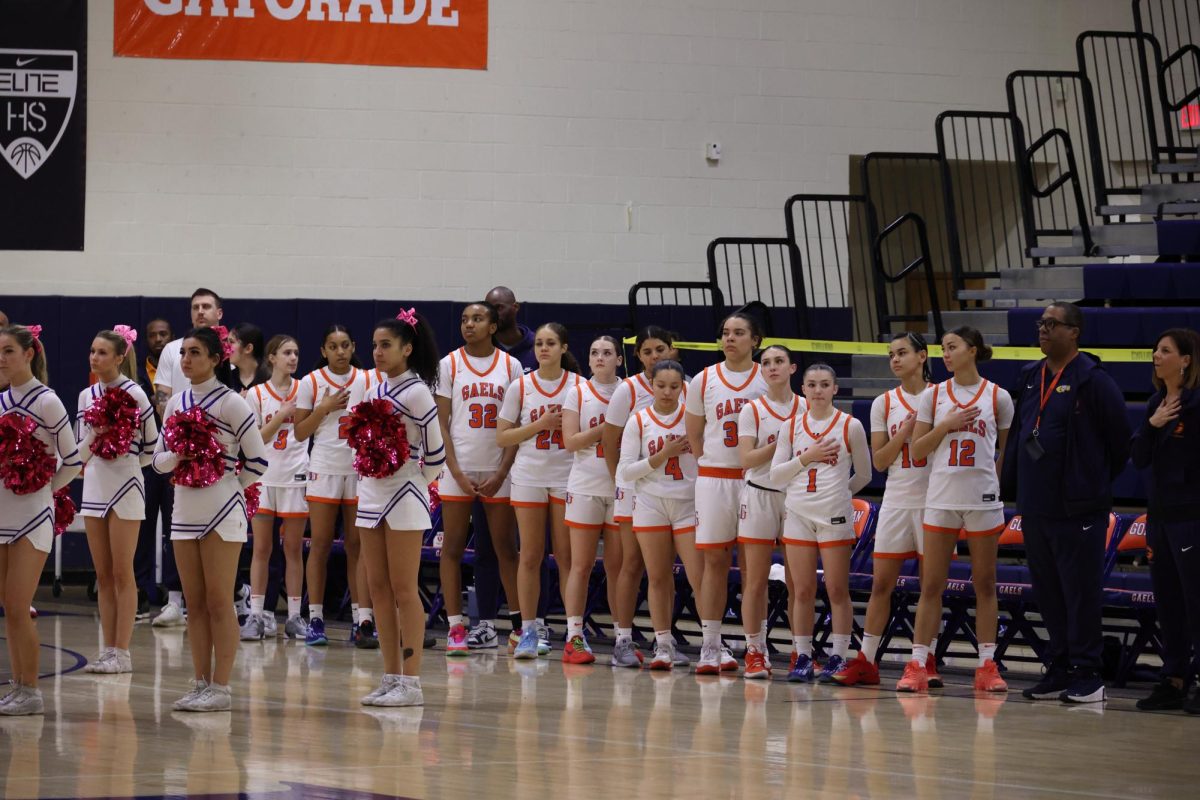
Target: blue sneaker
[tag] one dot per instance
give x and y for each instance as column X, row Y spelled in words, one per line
column 832, row 666
column 527, row 647
column 802, row 671
column 316, row 633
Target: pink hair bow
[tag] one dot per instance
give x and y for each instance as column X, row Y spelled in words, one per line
column 127, row 333
column 409, row 318
column 35, row 331
column 223, row 334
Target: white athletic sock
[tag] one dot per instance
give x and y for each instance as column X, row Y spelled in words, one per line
column 763, row 630
column 354, row 613
column 175, row 598
column 803, row 645
column 870, row 646
column 920, row 653
column 366, row 614
column 256, row 603
column 987, row 652
column 758, row 641
column 293, row 607
column 454, row 619
column 528, row 625
column 541, row 621
column 933, row 645
column 574, row 627
column 711, row 630
column 316, row 611
column 624, row 635
column 840, row 643
column 662, row 637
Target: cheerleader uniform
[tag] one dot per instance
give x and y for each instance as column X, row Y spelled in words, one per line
column 590, row 489
column 31, row 516
column 331, row 475
column 964, row 490
column 898, row 532
column 665, row 498
column 222, row 506
column 476, row 389
column 116, row 484
column 543, row 465
column 718, row 395
column 283, row 484
column 401, row 500
column 819, row 500
column 760, row 519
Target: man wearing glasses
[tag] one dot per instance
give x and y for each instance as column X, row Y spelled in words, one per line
column 1069, row 440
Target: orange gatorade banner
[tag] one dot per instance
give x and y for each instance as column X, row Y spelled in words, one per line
column 410, row 33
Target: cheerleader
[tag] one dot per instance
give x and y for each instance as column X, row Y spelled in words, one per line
column 760, row 520
column 208, row 525
column 651, row 345
column 27, row 530
column 898, row 533
column 531, row 418
column 114, row 497
column 590, row 492
column 814, row 458
column 656, row 461
column 962, row 426
column 282, row 494
column 714, row 400
column 470, row 389
column 393, row 511
column 322, row 409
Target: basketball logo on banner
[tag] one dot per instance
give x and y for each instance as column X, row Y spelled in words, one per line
column 37, row 96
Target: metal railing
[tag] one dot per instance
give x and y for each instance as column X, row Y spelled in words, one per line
column 695, row 294
column 759, row 268
column 886, row 318
column 1175, row 24
column 1070, row 176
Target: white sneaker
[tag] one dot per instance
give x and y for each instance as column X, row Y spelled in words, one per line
column 184, row 703
column 295, row 628
column 96, row 665
column 252, row 629
column 386, row 685
column 482, row 636
column 171, row 616
column 9, row 691
column 402, row 694
column 728, row 662
column 270, row 625
column 710, row 660
column 122, row 662
column 213, row 698
column 23, row 702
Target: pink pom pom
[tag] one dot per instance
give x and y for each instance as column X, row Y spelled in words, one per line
column 64, row 510
column 378, row 438
column 117, row 412
column 192, row 434
column 435, row 497
column 25, row 464
column 253, row 495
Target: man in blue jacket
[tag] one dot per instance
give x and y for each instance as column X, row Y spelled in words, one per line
column 1069, row 440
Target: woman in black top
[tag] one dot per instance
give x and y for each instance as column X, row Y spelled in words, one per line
column 1167, row 449
column 245, row 368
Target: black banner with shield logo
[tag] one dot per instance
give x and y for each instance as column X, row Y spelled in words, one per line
column 43, row 123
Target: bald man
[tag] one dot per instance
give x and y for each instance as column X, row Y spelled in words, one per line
column 3, row 320
column 511, row 336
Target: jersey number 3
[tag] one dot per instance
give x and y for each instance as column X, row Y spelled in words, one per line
column 280, row 442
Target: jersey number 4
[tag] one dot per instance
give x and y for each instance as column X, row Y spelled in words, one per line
column 962, row 452
column 481, row 416
column 672, row 468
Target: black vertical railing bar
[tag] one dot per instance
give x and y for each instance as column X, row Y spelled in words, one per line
column 921, row 261
column 709, row 294
column 1065, row 176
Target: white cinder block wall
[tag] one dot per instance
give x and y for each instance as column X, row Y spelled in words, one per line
column 573, row 167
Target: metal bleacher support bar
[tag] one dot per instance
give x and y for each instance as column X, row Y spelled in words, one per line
column 760, row 271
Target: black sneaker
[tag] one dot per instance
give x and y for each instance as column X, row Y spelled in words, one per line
column 365, row 637
column 1086, row 687
column 1192, row 704
column 1165, row 697
column 1054, row 682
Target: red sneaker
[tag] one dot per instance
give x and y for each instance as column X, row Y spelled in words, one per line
column 935, row 680
column 456, row 642
column 857, row 670
column 987, row 678
column 792, row 661
column 915, row 679
column 578, row 652
column 757, row 666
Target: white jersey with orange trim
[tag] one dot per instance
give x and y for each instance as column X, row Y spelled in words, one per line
column 631, row 396
column 962, row 470
column 717, row 394
column 475, row 387
column 287, row 456
column 907, row 479
column 821, row 491
column 645, row 434
column 589, row 471
column 542, row 460
column 763, row 419
column 331, row 454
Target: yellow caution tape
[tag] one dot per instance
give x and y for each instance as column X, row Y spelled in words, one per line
column 999, row 352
